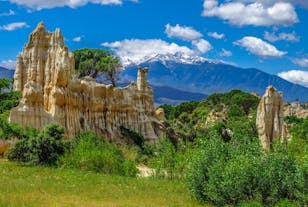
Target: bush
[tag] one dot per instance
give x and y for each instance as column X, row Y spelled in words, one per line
column 43, row 149
column 234, row 172
column 48, row 146
column 168, row 161
column 90, row 152
column 19, row 152
column 299, row 142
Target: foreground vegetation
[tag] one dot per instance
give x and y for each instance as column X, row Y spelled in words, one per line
column 211, row 149
column 23, row 185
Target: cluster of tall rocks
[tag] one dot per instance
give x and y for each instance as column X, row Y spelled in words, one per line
column 51, row 92
column 270, row 118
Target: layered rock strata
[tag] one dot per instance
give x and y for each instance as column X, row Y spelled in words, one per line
column 52, row 93
column 270, row 119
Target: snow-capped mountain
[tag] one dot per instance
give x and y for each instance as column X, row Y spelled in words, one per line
column 200, row 75
column 168, row 58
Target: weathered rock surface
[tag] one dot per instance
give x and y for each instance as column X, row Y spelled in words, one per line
column 51, row 93
column 270, row 123
column 160, row 114
column 295, row 109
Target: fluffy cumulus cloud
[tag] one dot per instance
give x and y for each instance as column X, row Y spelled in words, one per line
column 14, row 26
column 257, row 13
column 295, row 76
column 48, row 4
column 201, row 45
column 301, row 3
column 77, row 39
column 9, row 64
column 182, row 32
column 9, row 13
column 301, row 61
column 259, row 47
column 185, row 33
column 272, row 37
column 216, row 35
column 225, row 53
column 137, row 50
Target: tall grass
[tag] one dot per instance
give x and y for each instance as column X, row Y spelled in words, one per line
column 90, row 152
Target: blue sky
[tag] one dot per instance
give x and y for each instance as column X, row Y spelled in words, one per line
column 266, row 34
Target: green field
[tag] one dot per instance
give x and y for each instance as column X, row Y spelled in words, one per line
column 42, row 186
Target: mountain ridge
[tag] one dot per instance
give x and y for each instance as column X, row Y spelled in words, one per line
column 209, row 77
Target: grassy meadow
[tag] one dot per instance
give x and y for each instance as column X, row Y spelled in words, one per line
column 22, row 185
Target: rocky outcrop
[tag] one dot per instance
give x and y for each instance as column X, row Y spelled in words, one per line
column 295, row 109
column 270, row 123
column 52, row 93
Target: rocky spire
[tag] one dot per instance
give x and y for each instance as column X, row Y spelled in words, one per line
column 44, row 74
column 270, row 123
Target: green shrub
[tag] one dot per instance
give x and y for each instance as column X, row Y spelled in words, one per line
column 298, row 145
column 168, row 161
column 234, row 172
column 48, row 146
column 235, row 110
column 43, row 149
column 19, row 152
column 90, row 152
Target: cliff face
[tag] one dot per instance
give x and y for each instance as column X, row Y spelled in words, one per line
column 51, row 93
column 270, row 123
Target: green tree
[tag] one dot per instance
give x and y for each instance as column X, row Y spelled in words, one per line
column 95, row 62
column 8, row 97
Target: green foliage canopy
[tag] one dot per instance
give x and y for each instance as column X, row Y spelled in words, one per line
column 43, row 148
column 94, row 62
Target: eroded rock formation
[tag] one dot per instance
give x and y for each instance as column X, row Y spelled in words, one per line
column 51, row 93
column 295, row 109
column 270, row 123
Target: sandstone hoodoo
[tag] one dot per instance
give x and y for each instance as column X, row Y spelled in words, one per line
column 270, row 123
column 51, row 92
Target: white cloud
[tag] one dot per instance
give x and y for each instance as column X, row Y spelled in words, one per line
column 302, row 3
column 77, row 39
column 225, row 53
column 258, row 47
column 216, row 35
column 295, row 76
column 48, row 4
column 14, row 26
column 202, row 45
column 300, row 61
column 255, row 12
column 9, row 13
column 9, row 64
column 182, row 32
column 137, row 50
column 272, row 37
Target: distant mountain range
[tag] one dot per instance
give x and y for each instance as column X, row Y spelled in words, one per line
column 172, row 96
column 200, row 75
column 6, row 73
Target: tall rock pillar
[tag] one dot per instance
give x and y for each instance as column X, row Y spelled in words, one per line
column 270, row 123
column 142, row 81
